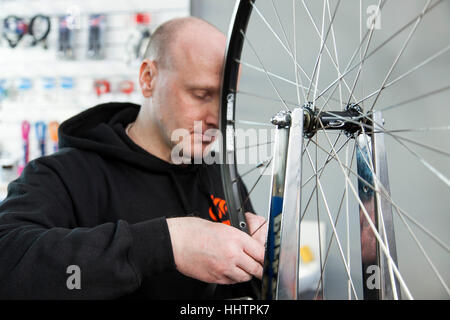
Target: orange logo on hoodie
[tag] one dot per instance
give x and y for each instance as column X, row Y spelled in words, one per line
column 222, row 211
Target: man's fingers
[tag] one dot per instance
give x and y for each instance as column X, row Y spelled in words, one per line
column 254, row 249
column 237, row 275
column 251, row 266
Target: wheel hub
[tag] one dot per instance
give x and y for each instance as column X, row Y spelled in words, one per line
column 350, row 121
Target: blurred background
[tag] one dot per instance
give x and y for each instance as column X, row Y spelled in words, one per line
column 82, row 53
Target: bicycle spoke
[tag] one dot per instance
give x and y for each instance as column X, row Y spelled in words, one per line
column 345, row 193
column 265, row 71
column 259, row 165
column 254, row 185
column 415, row 222
column 433, row 267
column 319, row 59
column 348, row 69
column 255, row 95
column 427, row 165
column 369, row 221
column 254, row 145
column 426, row 146
column 358, row 73
column 420, row 65
column 336, row 56
column 425, row 95
column 431, row 168
column 335, row 63
column 254, row 123
column 281, row 78
column 404, row 213
column 290, row 50
column 386, row 195
column 278, row 38
column 321, row 172
column 425, row 129
column 332, row 225
column 328, row 160
column 297, row 77
column 268, row 72
column 380, row 129
column 323, row 40
column 408, row 39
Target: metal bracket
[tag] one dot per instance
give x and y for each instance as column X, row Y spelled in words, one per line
column 280, row 276
column 371, row 157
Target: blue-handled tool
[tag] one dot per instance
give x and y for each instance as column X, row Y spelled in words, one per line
column 41, row 129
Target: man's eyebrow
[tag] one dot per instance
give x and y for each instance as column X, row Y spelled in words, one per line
column 206, row 87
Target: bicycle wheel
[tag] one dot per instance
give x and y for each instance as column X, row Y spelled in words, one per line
column 372, row 81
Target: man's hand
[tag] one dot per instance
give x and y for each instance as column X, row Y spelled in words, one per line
column 215, row 252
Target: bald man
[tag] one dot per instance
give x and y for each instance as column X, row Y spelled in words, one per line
column 111, row 215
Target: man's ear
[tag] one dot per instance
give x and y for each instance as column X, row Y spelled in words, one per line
column 147, row 77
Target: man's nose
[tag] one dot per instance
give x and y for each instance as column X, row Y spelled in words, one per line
column 212, row 116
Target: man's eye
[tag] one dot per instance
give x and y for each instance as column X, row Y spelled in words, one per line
column 200, row 94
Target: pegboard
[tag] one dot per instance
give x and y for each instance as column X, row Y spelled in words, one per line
column 39, row 84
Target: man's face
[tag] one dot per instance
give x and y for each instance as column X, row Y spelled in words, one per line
column 187, row 92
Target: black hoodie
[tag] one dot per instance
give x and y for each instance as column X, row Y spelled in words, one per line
column 101, row 204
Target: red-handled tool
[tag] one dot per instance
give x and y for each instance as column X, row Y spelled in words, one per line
column 126, row 86
column 26, row 146
column 102, row 87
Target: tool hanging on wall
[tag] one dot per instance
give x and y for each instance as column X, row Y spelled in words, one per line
column 3, row 89
column 53, row 133
column 101, row 87
column 26, row 146
column 97, row 25
column 25, row 84
column 14, row 28
column 48, row 85
column 126, row 86
column 66, row 37
column 137, row 42
column 39, row 29
column 24, row 88
column 41, row 129
column 67, row 83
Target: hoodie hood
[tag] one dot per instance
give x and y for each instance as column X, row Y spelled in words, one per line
column 101, row 129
